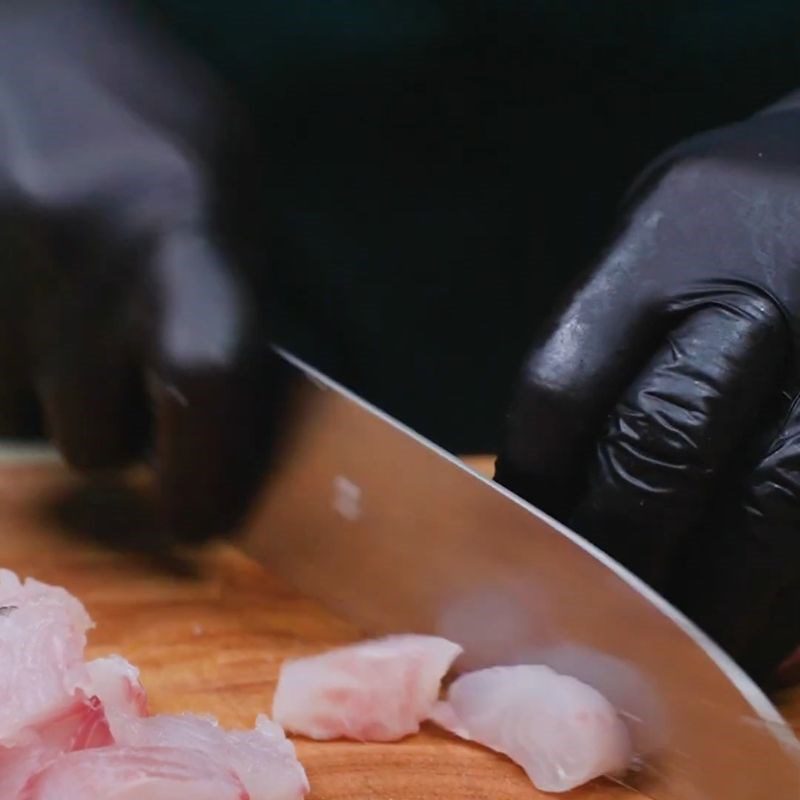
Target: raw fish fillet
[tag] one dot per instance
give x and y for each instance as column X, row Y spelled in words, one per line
column 71, row 730
column 116, row 682
column 42, row 640
column 263, row 758
column 376, row 691
column 126, row 773
column 560, row 731
column 80, row 727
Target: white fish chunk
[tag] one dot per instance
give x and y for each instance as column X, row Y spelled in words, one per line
column 130, row 773
column 375, row 691
column 116, row 682
column 263, row 758
column 42, row 640
column 560, row 731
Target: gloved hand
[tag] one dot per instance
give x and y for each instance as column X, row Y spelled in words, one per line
column 658, row 413
column 126, row 232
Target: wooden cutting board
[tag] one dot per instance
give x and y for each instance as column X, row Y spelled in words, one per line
column 209, row 636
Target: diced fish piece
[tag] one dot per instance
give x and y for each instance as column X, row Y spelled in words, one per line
column 81, row 727
column 13, row 591
column 116, row 682
column 560, row 731
column 130, row 773
column 376, row 691
column 263, row 758
column 42, row 640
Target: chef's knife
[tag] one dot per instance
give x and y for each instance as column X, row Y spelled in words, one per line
column 398, row 536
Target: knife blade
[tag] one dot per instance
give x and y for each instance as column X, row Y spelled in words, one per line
column 395, row 534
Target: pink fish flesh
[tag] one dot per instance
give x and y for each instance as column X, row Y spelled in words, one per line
column 263, row 758
column 81, row 727
column 377, row 691
column 560, row 731
column 71, row 730
column 42, row 640
column 131, row 773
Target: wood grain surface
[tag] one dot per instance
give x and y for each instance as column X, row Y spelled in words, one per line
column 209, row 634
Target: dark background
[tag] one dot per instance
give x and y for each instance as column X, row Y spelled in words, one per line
column 438, row 171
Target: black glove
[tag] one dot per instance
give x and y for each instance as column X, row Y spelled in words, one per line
column 126, row 225
column 658, row 414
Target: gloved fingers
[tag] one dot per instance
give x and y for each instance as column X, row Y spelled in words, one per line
column 89, row 402
column 573, row 376
column 211, row 377
column 743, row 585
column 85, row 378
column 19, row 416
column 676, row 428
